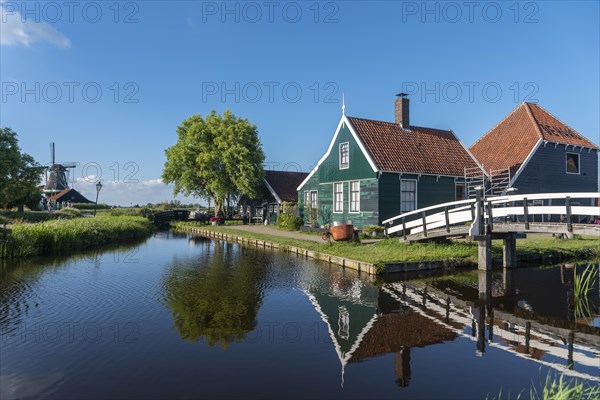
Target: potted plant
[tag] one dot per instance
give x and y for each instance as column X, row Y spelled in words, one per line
column 214, row 221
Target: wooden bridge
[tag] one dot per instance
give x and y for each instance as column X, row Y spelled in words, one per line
column 164, row 218
column 500, row 217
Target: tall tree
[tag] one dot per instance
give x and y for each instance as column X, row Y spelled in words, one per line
column 215, row 157
column 19, row 173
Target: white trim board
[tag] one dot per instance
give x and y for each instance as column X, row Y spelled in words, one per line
column 343, row 120
column 272, row 191
column 524, row 165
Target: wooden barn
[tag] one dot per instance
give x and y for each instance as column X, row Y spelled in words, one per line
column 374, row 170
column 541, row 153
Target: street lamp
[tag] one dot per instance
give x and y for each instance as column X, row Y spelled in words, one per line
column 98, row 188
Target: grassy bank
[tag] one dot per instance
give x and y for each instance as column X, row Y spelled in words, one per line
column 391, row 250
column 68, row 235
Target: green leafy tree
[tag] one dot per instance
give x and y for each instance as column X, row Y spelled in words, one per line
column 19, row 173
column 218, row 157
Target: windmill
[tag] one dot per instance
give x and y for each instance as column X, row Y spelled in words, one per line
column 56, row 175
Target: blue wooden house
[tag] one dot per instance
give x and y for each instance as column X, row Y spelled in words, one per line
column 374, row 170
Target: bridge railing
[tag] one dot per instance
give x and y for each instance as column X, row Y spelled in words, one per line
column 498, row 207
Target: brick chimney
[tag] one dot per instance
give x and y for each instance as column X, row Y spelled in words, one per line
column 402, row 110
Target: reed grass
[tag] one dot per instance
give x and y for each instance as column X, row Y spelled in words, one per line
column 558, row 387
column 60, row 237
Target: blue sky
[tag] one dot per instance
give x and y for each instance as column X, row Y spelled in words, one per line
column 282, row 65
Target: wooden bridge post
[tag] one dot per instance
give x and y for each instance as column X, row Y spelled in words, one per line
column 484, row 253
column 509, row 250
column 569, row 217
column 484, row 239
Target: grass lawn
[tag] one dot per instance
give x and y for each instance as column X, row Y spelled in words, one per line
column 391, row 250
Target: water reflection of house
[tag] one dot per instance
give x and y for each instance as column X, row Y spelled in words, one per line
column 365, row 322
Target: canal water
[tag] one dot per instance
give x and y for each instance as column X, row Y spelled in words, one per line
column 188, row 317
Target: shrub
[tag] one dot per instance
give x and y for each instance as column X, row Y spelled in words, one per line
column 289, row 221
column 373, row 230
column 68, row 212
column 90, row 206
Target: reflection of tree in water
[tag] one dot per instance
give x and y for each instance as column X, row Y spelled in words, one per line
column 217, row 296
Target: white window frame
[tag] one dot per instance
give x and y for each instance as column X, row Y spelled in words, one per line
column 350, row 210
column 308, row 205
column 348, row 157
column 416, row 194
column 578, row 163
column 335, row 200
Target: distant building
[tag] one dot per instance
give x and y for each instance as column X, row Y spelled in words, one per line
column 541, row 153
column 68, row 196
column 374, row 170
column 278, row 187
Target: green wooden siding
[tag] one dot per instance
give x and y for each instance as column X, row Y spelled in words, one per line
column 430, row 191
column 389, row 195
column 369, row 203
column 359, row 168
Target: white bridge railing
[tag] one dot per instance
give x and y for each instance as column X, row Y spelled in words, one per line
column 461, row 212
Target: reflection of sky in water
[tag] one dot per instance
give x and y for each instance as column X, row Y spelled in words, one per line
column 180, row 317
column 25, row 385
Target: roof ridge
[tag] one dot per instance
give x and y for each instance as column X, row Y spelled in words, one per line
column 534, row 119
column 497, row 125
column 395, row 124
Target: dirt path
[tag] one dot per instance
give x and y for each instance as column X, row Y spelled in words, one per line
column 276, row 232
column 265, row 229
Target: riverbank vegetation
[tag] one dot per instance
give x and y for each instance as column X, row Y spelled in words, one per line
column 392, row 250
column 67, row 235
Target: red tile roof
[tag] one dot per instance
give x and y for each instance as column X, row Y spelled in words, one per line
column 418, row 150
column 69, row 195
column 508, row 144
column 285, row 183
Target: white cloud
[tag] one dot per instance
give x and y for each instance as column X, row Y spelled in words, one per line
column 125, row 194
column 15, row 31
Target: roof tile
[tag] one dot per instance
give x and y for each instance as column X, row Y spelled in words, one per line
column 508, row 144
column 418, row 150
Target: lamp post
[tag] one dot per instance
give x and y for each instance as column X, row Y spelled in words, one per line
column 98, row 188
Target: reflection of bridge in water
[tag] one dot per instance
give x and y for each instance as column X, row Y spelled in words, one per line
column 365, row 322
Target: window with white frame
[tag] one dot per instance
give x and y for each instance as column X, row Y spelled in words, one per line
column 408, row 195
column 572, row 163
column 344, row 155
column 338, row 197
column 355, row 196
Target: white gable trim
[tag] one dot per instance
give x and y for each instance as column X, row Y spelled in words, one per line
column 469, row 153
column 343, row 120
column 524, row 165
column 272, row 191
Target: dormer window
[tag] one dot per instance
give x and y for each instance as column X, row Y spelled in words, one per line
column 344, row 155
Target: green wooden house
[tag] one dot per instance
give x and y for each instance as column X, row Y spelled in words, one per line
column 374, row 170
